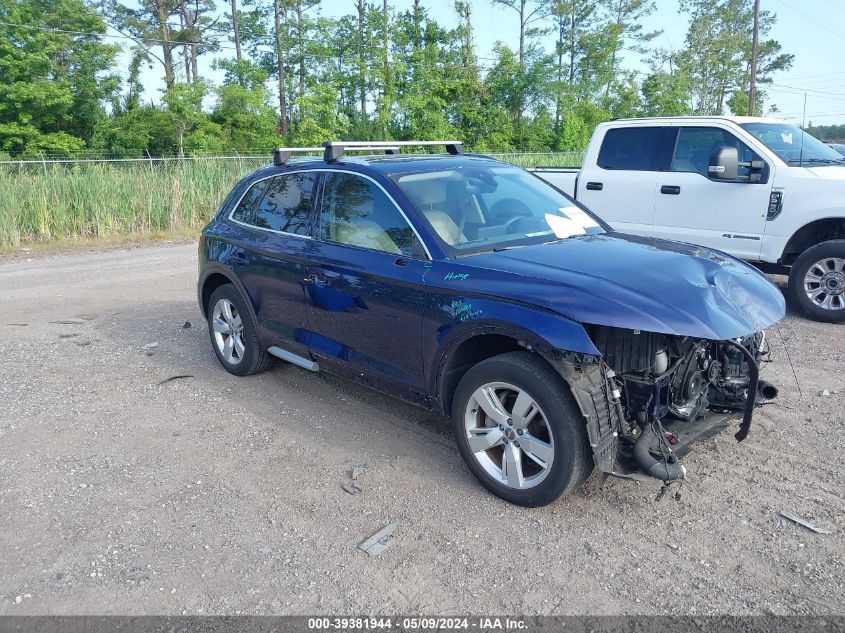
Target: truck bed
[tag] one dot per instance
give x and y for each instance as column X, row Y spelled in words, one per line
column 563, row 178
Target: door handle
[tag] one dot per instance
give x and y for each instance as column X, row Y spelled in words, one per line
column 318, row 280
column 595, row 186
column 670, row 190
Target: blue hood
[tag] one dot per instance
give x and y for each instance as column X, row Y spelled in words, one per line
column 638, row 283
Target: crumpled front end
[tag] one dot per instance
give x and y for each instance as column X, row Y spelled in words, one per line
column 650, row 397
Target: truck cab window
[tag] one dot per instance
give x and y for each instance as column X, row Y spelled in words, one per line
column 694, row 146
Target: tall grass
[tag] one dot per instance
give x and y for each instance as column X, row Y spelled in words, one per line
column 94, row 200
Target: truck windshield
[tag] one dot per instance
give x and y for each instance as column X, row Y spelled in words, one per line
column 478, row 207
column 792, row 144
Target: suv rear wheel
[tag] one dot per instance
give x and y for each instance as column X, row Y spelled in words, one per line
column 233, row 333
column 519, row 430
column 817, row 281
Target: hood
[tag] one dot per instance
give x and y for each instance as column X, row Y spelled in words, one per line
column 641, row 283
column 828, row 172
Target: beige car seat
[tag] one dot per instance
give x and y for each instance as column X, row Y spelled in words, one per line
column 430, row 197
column 357, row 231
column 354, row 227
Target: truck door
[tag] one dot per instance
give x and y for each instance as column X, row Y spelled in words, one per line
column 689, row 206
column 618, row 184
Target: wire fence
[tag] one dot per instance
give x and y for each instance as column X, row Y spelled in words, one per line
column 257, row 157
column 94, row 197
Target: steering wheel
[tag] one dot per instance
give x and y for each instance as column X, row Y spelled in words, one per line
column 511, row 226
column 508, row 207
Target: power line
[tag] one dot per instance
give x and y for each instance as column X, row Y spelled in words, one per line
column 824, row 27
column 814, row 92
column 793, row 115
column 813, row 82
column 790, row 91
column 802, row 77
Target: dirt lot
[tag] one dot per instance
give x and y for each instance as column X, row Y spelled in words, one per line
column 215, row 494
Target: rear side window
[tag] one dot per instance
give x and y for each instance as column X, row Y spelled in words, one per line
column 249, row 201
column 631, row 148
column 286, row 205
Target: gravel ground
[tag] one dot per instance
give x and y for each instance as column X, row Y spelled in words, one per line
column 210, row 494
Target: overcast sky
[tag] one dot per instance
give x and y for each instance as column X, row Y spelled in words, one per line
column 809, row 29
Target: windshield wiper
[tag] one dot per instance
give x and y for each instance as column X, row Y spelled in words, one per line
column 818, row 161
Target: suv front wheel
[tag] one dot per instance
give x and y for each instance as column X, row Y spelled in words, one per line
column 817, row 281
column 519, row 430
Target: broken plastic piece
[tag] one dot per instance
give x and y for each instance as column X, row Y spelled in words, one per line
column 379, row 542
column 353, row 489
column 801, row 521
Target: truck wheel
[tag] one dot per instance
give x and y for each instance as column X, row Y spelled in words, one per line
column 233, row 334
column 519, row 430
column 817, row 281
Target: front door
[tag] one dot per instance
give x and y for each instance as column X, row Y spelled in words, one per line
column 729, row 216
column 365, row 294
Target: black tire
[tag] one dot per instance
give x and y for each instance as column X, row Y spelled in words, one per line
column 808, row 259
column 255, row 358
column 572, row 461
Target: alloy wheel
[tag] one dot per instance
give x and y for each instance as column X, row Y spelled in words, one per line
column 228, row 331
column 824, row 283
column 509, row 435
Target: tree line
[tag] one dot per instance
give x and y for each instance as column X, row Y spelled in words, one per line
column 295, row 76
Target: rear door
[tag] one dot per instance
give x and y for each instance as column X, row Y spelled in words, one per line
column 365, row 294
column 618, row 183
column 690, row 207
column 277, row 219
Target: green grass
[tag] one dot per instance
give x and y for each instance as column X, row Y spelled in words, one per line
column 86, row 202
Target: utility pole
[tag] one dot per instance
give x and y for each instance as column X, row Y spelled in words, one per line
column 755, row 52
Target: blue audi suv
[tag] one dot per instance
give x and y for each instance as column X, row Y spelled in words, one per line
column 471, row 287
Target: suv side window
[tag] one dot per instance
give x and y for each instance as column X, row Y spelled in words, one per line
column 286, row 206
column 249, row 201
column 694, row 146
column 358, row 213
column 631, row 148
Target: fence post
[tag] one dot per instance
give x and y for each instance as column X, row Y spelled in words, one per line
column 240, row 162
column 43, row 162
column 150, row 157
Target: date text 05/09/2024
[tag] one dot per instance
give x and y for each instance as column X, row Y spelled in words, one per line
column 416, row 623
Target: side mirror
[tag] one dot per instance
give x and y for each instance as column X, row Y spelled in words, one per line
column 724, row 163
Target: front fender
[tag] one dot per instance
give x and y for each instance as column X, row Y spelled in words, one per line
column 460, row 318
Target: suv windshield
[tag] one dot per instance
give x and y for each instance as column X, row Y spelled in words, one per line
column 792, row 144
column 488, row 206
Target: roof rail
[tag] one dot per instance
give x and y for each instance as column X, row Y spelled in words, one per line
column 336, row 149
column 281, row 155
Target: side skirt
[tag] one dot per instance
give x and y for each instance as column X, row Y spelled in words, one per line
column 296, row 359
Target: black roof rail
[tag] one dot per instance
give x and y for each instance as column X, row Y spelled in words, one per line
column 336, row 149
column 332, row 150
column 281, row 155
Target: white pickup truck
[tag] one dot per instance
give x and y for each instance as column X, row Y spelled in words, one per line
column 757, row 188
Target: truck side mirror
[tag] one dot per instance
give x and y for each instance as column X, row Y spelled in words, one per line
column 724, row 163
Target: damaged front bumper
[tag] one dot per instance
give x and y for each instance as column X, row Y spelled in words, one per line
column 652, row 446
